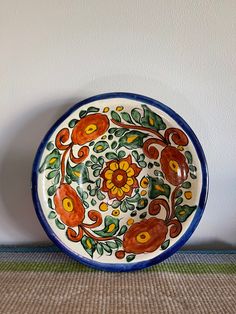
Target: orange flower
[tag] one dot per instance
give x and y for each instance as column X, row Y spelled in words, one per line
column 68, row 205
column 145, row 236
column 174, row 166
column 120, row 178
column 89, row 128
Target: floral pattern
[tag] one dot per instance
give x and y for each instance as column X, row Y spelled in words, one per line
column 120, row 178
column 120, row 183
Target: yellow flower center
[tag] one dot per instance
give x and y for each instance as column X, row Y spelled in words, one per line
column 52, row 160
column 130, row 221
column 106, row 109
column 119, row 177
column 119, row 108
column 99, row 147
column 143, row 192
column 90, row 128
column 115, row 212
column 174, row 165
column 89, row 245
column 143, row 237
column 144, row 182
column 188, row 195
column 77, row 173
column 111, row 227
column 159, row 188
column 130, row 139
column 151, row 121
column 67, row 204
column 103, row 207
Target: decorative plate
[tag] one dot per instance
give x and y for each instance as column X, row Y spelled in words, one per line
column 120, row 182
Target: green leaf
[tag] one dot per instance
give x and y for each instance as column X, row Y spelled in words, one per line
column 112, row 130
column 132, row 139
column 52, row 215
column 192, row 168
column 143, row 215
column 123, row 230
column 150, row 165
column 82, row 113
column 78, row 173
column 129, row 206
column 135, row 155
column 80, row 191
column 59, row 224
column 91, row 143
column 189, row 157
column 51, row 161
column 133, row 199
column 96, row 172
column 130, row 257
column 52, row 174
column 106, row 248
column 72, row 123
column 179, row 193
column 186, row 185
column 99, row 249
column 158, row 174
column 121, row 154
column 51, row 190
column 95, row 166
column 92, row 109
column 110, row 137
column 142, row 164
column 112, row 244
column 157, row 187
column 156, row 164
column 86, row 204
column 50, row 203
column 93, row 192
column 88, row 163
column 50, row 146
column 111, row 156
column 123, row 207
column 100, row 146
column 115, row 116
column 115, row 204
column 183, row 212
column 94, row 159
column 113, row 144
column 120, row 132
column 98, row 182
column 136, row 115
column 89, row 245
column 100, row 195
column 126, row 117
column 101, row 160
column 84, row 195
column 93, row 202
column 57, row 178
column 165, row 244
column 193, row 176
column 179, row 201
column 141, row 157
column 68, row 179
column 111, row 226
column 152, row 120
column 142, row 203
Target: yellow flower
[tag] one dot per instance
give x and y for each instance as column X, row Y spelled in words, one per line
column 103, row 207
column 120, row 178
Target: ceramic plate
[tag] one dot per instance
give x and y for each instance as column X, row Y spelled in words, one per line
column 120, row 182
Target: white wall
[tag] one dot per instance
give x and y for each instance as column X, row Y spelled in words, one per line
column 55, row 53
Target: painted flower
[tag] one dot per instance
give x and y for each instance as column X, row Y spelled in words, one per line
column 89, row 128
column 68, row 205
column 145, row 236
column 120, row 178
column 174, row 166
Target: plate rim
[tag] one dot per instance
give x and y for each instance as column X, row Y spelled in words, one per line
column 119, row 267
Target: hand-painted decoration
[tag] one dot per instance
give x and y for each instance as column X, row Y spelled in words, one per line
column 119, row 181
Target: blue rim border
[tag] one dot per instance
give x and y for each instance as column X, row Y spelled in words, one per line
column 133, row 265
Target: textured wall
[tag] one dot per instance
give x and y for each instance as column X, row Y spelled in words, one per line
column 55, row 53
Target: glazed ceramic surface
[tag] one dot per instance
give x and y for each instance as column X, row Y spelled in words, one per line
column 120, row 182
